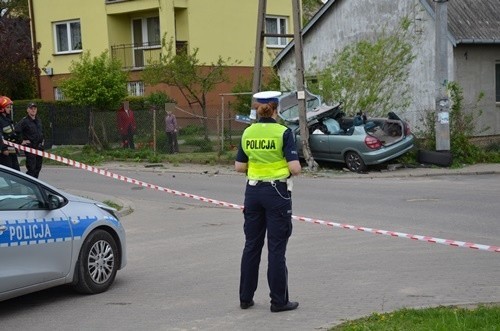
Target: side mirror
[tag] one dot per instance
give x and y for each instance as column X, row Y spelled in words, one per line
column 55, row 201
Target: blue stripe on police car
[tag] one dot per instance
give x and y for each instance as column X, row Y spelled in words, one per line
column 41, row 231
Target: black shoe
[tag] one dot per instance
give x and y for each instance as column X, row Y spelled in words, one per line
column 246, row 305
column 291, row 305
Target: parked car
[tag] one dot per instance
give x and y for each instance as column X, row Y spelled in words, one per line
column 49, row 237
column 356, row 141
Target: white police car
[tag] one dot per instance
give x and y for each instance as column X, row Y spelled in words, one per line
column 50, row 238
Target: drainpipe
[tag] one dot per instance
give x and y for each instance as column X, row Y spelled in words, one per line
column 34, row 48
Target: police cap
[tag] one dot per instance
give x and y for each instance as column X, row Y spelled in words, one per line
column 267, row 96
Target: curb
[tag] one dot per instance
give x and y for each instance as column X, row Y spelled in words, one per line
column 393, row 171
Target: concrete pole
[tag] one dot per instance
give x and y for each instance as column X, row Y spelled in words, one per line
column 301, row 93
column 442, row 100
column 259, row 43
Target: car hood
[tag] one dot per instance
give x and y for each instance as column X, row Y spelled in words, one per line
column 102, row 205
column 313, row 115
column 288, row 108
column 77, row 198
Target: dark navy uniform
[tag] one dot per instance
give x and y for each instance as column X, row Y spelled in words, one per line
column 8, row 131
column 31, row 129
column 266, row 147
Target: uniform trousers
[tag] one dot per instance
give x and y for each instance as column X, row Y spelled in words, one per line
column 33, row 164
column 267, row 208
column 10, row 161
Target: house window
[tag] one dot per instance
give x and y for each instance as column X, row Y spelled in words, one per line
column 58, row 94
column 497, row 81
column 135, row 89
column 68, row 37
column 146, row 35
column 181, row 47
column 276, row 25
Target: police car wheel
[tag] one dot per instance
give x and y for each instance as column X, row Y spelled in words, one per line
column 97, row 263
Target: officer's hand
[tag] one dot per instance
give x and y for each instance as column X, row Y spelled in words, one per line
column 6, row 152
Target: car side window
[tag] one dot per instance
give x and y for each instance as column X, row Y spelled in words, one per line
column 17, row 193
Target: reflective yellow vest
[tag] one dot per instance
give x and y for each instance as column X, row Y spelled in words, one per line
column 263, row 144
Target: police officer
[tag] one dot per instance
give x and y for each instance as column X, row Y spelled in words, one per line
column 31, row 132
column 8, row 154
column 267, row 154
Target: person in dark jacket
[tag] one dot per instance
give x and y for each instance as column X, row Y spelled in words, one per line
column 31, row 132
column 8, row 154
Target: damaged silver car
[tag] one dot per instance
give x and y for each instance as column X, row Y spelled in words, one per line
column 357, row 141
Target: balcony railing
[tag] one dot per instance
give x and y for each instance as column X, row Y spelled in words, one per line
column 136, row 56
column 113, row 1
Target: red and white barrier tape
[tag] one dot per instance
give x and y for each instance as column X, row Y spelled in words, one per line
column 96, row 170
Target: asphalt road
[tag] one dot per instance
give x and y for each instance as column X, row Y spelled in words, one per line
column 184, row 255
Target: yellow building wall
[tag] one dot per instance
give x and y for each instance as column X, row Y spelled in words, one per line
column 228, row 28
column 47, row 12
column 225, row 28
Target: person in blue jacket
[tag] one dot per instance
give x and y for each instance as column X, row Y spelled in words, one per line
column 268, row 156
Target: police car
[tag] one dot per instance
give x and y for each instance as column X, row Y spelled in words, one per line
column 50, row 238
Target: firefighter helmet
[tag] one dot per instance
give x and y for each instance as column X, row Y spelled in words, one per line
column 4, row 103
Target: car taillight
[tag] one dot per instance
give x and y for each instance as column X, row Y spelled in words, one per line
column 372, row 142
column 407, row 129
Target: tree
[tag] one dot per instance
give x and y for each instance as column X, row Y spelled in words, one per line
column 18, row 71
column 370, row 76
column 157, row 100
column 184, row 70
column 243, row 102
column 18, row 8
column 98, row 83
column 309, row 8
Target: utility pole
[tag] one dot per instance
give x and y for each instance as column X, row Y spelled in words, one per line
column 301, row 93
column 441, row 58
column 299, row 63
column 259, row 45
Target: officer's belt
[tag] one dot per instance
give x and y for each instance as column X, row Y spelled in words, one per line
column 254, row 182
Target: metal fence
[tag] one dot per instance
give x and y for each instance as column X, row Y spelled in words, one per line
column 69, row 125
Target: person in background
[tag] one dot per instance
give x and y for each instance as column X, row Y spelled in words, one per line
column 30, row 131
column 267, row 154
column 126, row 125
column 8, row 154
column 171, row 129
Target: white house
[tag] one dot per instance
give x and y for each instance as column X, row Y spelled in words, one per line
column 473, row 47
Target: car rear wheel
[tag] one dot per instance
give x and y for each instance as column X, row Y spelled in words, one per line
column 354, row 162
column 98, row 263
